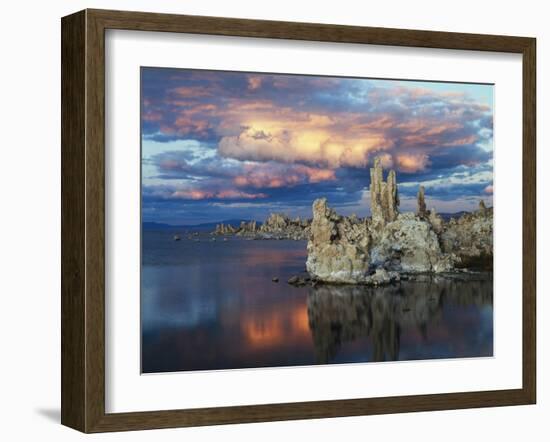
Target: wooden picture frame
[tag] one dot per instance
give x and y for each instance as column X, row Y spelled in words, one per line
column 83, row 220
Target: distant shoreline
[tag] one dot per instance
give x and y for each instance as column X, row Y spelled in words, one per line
column 153, row 225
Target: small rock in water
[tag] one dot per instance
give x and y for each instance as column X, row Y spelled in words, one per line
column 299, row 281
column 275, row 279
column 177, row 238
column 293, row 280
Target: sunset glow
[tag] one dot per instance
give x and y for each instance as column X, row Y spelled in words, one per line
column 225, row 145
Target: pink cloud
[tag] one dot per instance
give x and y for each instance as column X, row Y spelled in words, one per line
column 410, row 163
column 185, row 125
column 461, row 141
column 254, row 82
column 262, row 130
column 167, row 130
column 314, row 140
column 170, row 164
column 386, row 160
column 266, row 132
column 192, row 91
column 199, row 194
column 264, row 175
column 152, row 116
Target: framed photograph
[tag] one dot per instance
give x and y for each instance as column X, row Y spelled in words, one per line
column 270, row 220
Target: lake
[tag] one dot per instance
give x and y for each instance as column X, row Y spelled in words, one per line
column 209, row 305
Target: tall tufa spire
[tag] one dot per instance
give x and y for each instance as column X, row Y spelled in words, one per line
column 420, row 202
column 384, row 201
column 482, row 208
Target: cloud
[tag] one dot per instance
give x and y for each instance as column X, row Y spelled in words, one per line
column 273, row 175
column 254, row 82
column 411, row 163
column 336, row 122
column 192, row 91
column 453, row 185
column 286, row 139
column 149, row 115
column 186, row 164
column 198, row 194
column 311, row 142
column 348, row 138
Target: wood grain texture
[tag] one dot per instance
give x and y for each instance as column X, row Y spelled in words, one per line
column 145, row 21
column 83, row 220
column 73, row 258
column 529, row 220
column 95, row 221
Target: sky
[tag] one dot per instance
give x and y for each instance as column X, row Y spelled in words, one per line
column 219, row 145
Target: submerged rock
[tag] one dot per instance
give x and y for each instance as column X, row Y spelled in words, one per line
column 382, row 277
column 293, row 279
column 300, row 280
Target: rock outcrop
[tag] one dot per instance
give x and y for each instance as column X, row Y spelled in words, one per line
column 379, row 249
column 247, row 227
column 224, row 229
column 436, row 221
column 384, row 201
column 470, row 238
column 338, row 248
column 482, row 208
column 409, row 244
column 276, row 226
column 421, row 203
column 280, row 226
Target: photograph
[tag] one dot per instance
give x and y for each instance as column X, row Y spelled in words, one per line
column 297, row 220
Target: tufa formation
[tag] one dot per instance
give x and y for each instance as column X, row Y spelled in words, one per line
column 276, row 226
column 390, row 244
column 383, row 195
column 421, row 203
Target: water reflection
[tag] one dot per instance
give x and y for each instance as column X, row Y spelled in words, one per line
column 213, row 305
column 340, row 314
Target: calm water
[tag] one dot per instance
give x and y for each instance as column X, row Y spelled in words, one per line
column 212, row 305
